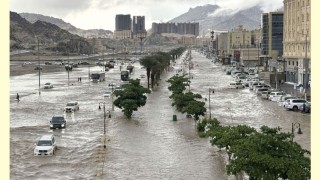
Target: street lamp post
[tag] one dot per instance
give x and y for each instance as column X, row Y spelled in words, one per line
column 112, row 88
column 248, row 51
column 104, row 121
column 212, row 37
column 209, row 101
column 292, row 129
column 68, row 68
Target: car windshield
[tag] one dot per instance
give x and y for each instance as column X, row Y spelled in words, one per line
column 70, row 104
column 44, row 143
column 57, row 119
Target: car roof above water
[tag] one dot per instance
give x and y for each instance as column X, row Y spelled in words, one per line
column 46, row 137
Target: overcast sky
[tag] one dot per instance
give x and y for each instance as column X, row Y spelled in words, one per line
column 100, row 14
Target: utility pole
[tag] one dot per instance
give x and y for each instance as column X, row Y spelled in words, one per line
column 39, row 65
column 68, row 68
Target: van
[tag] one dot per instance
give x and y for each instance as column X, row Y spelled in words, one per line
column 236, row 85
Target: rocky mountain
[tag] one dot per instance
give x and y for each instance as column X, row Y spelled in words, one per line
column 26, row 35
column 91, row 33
column 214, row 17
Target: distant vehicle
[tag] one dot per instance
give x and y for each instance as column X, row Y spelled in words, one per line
column 27, row 63
column 236, row 85
column 125, row 75
column 48, row 63
column 71, row 106
column 99, row 76
column 142, row 76
column 46, row 146
column 48, row 85
column 130, row 68
column 68, row 67
column 83, row 63
column 38, row 68
column 58, row 122
column 107, row 94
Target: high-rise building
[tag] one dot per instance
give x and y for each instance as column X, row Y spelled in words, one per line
column 297, row 40
column 123, row 22
column 138, row 25
column 123, row 26
column 272, row 34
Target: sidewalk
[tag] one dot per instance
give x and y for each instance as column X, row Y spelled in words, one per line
column 289, row 89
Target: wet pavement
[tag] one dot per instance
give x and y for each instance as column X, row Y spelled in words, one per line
column 148, row 146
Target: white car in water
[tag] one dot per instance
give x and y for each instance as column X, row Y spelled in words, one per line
column 71, row 106
column 48, row 85
column 107, row 94
column 46, row 146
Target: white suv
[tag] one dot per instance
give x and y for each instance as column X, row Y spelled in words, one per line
column 71, row 106
column 294, row 104
column 45, row 146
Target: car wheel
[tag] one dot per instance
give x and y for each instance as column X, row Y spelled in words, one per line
column 295, row 108
column 237, row 87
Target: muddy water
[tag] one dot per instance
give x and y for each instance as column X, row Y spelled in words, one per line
column 149, row 146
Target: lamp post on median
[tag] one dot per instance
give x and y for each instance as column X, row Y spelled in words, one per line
column 39, row 64
column 212, row 37
column 209, row 101
column 104, row 121
column 112, row 88
column 293, row 127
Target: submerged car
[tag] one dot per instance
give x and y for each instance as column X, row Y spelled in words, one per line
column 48, row 85
column 107, row 94
column 58, row 122
column 71, row 106
column 46, row 146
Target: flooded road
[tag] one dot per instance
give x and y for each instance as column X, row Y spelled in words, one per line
column 150, row 145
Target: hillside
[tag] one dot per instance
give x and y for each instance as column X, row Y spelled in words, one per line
column 26, row 35
column 91, row 33
column 214, row 17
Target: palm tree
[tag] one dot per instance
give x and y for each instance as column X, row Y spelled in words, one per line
column 148, row 62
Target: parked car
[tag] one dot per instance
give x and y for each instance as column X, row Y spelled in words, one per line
column 275, row 96
column 46, row 146
column 236, row 85
column 294, row 104
column 306, row 108
column 58, row 122
column 48, row 85
column 260, row 90
column 284, row 98
column 72, row 106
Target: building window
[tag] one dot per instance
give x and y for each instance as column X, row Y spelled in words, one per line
column 297, row 63
column 289, row 63
column 307, row 17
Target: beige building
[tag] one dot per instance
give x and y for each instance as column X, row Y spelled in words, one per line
column 296, row 40
column 241, row 44
column 124, row 34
